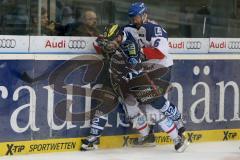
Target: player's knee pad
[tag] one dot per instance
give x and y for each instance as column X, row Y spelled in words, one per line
column 130, row 100
column 97, row 125
column 153, row 115
column 131, row 106
column 166, row 123
column 139, row 122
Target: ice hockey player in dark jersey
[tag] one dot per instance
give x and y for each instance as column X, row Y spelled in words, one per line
column 137, row 117
column 106, row 45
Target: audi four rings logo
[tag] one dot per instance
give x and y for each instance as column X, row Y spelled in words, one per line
column 77, row 44
column 7, row 43
column 193, row 45
column 234, row 44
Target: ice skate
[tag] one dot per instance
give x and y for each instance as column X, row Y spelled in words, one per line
column 145, row 141
column 89, row 143
column 181, row 143
column 180, row 127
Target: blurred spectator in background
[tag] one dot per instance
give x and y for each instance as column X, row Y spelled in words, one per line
column 88, row 26
column 47, row 27
column 66, row 23
column 67, row 16
column 72, row 27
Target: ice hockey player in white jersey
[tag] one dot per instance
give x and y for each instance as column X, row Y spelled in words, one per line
column 154, row 41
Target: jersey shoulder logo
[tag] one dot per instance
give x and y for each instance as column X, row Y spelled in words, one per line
column 158, row 31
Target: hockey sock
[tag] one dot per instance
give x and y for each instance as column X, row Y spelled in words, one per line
column 97, row 126
column 140, row 123
column 169, row 127
column 138, row 119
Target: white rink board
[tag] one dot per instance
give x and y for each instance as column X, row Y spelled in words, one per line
column 60, row 44
column 68, row 45
column 224, row 45
column 188, row 45
column 14, row 44
column 80, row 56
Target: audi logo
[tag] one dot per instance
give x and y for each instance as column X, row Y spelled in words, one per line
column 7, row 43
column 77, row 44
column 234, row 44
column 193, row 45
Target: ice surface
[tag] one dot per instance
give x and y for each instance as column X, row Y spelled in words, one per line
column 228, row 150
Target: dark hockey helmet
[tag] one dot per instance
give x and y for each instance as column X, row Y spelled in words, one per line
column 111, row 31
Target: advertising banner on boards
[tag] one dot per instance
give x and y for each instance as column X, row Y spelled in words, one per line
column 206, row 91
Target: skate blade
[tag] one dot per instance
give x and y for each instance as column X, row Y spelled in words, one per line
column 144, row 145
column 184, row 146
column 86, row 148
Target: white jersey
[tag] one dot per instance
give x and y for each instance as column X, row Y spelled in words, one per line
column 151, row 35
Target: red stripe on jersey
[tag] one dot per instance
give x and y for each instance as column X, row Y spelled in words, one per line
column 153, row 53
